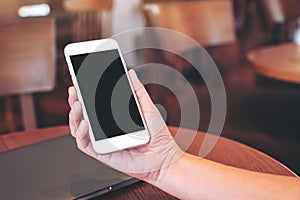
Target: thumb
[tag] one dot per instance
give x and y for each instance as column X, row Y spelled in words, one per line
column 153, row 119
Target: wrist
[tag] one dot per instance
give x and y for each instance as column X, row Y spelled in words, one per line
column 185, row 171
column 162, row 177
column 156, row 175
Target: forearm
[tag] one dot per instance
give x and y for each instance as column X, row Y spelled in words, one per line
column 192, row 177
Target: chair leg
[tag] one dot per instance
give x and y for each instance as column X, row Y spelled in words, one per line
column 28, row 111
column 9, row 115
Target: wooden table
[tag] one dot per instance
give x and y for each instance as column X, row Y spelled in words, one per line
column 225, row 151
column 280, row 62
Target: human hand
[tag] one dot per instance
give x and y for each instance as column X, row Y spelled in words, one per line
column 144, row 162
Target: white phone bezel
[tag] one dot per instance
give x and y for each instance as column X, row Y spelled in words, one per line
column 112, row 144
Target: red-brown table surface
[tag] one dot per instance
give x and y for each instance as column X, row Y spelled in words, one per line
column 225, row 151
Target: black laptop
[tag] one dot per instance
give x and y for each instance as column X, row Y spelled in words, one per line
column 56, row 169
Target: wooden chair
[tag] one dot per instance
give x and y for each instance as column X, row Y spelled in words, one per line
column 27, row 63
column 280, row 11
column 155, row 1
column 209, row 22
column 283, row 17
column 8, row 10
column 93, row 18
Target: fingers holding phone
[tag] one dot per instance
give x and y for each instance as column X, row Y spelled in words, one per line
column 115, row 122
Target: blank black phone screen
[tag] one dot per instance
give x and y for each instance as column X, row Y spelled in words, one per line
column 106, row 93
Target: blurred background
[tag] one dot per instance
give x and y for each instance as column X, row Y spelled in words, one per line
column 254, row 43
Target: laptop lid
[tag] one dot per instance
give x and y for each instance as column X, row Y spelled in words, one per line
column 56, row 169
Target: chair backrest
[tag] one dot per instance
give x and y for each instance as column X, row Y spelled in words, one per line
column 279, row 11
column 8, row 10
column 209, row 22
column 291, row 8
column 27, row 61
column 283, row 18
column 27, row 52
column 87, row 5
column 155, row 1
column 93, row 18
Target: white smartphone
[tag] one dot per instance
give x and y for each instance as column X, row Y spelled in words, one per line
column 108, row 101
